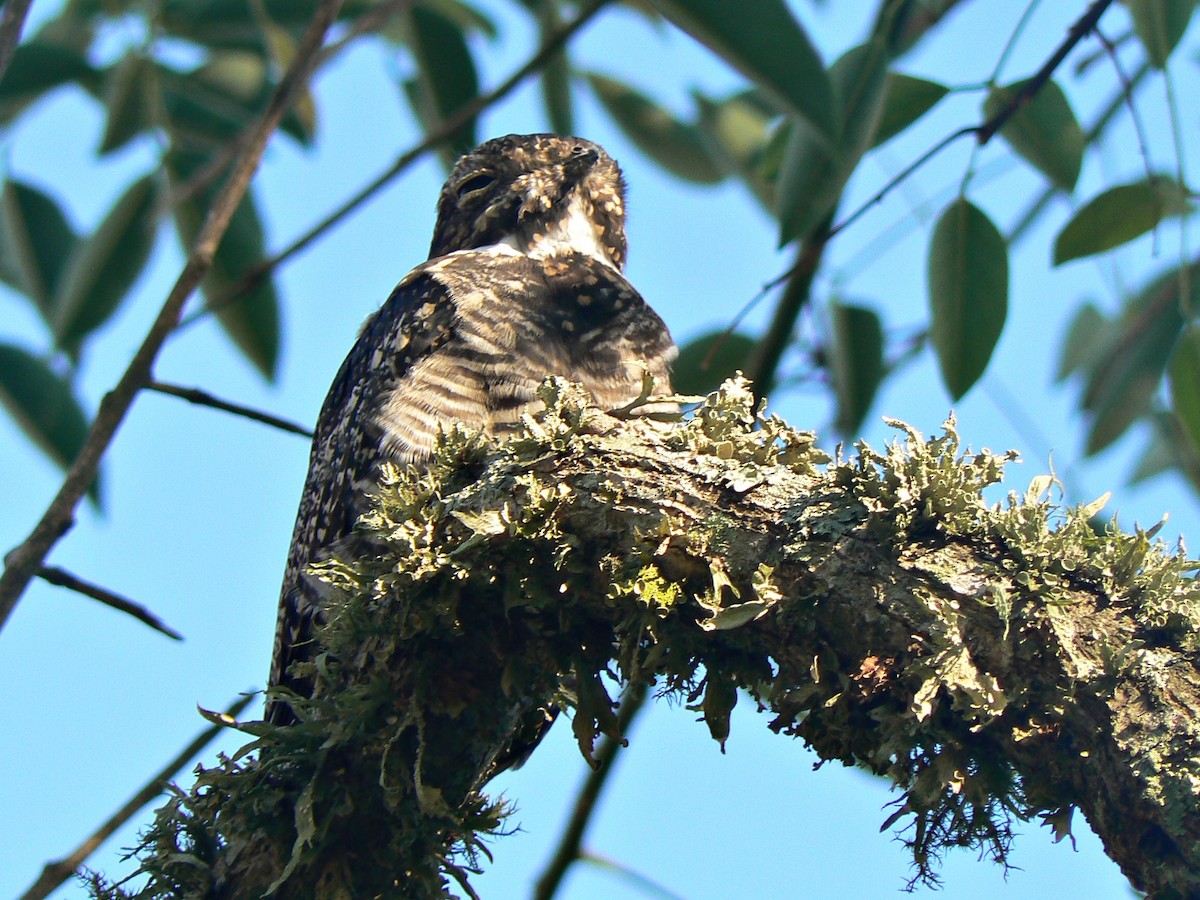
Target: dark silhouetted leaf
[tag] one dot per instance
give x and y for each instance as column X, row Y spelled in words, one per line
column 1044, row 131
column 814, row 171
column 281, row 47
column 38, row 67
column 127, row 101
column 235, row 24
column 252, row 317
column 1184, row 374
column 1117, row 216
column 906, row 99
column 447, row 80
column 676, row 146
column 35, row 241
column 762, row 40
column 1089, row 332
column 724, row 354
column 1159, row 25
column 968, row 293
column 856, row 357
column 736, row 132
column 1127, row 368
column 44, row 407
column 556, row 73
column 104, row 266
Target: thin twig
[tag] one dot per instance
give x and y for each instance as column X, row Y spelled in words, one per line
column 1030, row 216
column 569, row 844
column 11, row 26
column 62, row 578
column 369, row 21
column 432, row 139
column 983, row 132
column 24, row 562
column 1075, row 34
column 55, row 873
column 203, row 398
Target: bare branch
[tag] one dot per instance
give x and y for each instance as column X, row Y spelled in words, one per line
column 24, row 562
column 585, row 804
column 11, row 24
column 55, row 873
column 432, row 139
column 369, row 21
column 983, row 132
column 62, row 578
column 203, row 398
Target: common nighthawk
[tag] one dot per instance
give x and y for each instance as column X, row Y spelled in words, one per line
column 523, row 281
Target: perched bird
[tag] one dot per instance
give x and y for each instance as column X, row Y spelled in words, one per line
column 523, row 281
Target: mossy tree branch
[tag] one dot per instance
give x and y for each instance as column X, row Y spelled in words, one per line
column 996, row 662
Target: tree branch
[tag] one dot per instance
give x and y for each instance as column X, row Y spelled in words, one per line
column 62, row 578
column 203, row 398
column 55, row 873
column 983, row 132
column 571, row 841
column 996, row 664
column 432, row 139
column 24, row 562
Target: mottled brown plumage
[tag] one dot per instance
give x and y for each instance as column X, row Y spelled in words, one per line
column 523, row 281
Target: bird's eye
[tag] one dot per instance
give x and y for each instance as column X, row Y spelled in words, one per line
column 476, row 183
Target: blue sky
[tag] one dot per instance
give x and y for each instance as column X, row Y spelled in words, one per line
column 200, row 505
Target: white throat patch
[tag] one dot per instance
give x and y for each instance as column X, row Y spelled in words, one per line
column 573, row 233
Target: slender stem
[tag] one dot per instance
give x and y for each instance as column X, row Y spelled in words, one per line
column 983, row 132
column 1122, row 97
column 569, row 844
column 62, row 578
column 1075, row 34
column 432, row 139
column 203, row 398
column 23, row 563
column 55, row 873
column 11, row 26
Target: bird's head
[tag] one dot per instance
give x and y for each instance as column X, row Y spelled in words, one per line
column 542, row 194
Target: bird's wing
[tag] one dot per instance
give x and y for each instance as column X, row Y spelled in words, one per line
column 351, row 443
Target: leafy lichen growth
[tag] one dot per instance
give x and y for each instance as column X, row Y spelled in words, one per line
column 879, row 607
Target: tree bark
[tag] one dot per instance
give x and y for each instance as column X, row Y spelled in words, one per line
column 996, row 662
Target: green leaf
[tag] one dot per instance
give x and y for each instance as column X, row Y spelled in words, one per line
column 281, row 48
column 44, row 407
column 251, row 318
column 762, row 40
column 1184, row 374
column 856, row 363
column 814, row 171
column 104, row 266
column 35, row 241
column 447, row 80
column 556, row 73
column 1159, row 25
column 127, row 101
column 1126, row 370
column 1117, row 216
column 708, row 360
column 37, row 67
column 676, row 146
column 968, row 293
column 906, row 99
column 1088, row 333
column 1043, row 130
column 736, row 131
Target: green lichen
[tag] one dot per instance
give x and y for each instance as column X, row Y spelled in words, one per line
column 511, row 577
